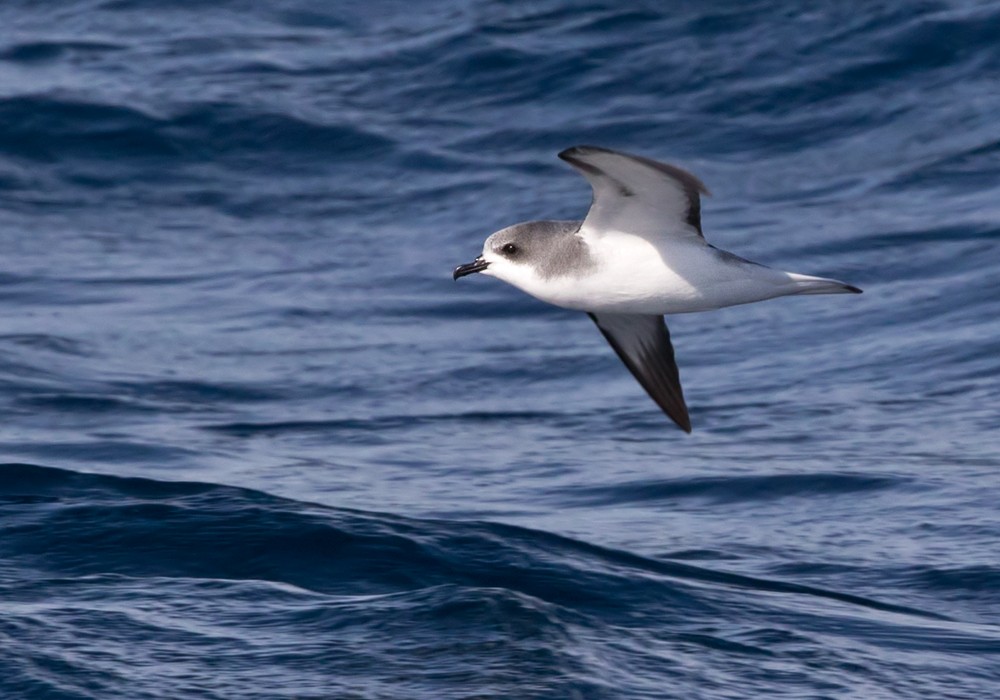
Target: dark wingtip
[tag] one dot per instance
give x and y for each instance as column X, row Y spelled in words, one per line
column 691, row 182
column 582, row 150
column 682, row 419
column 854, row 290
column 567, row 153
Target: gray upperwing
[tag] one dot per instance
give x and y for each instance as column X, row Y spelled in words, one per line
column 637, row 195
column 643, row 344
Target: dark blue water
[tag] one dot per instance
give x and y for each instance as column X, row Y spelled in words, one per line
column 260, row 445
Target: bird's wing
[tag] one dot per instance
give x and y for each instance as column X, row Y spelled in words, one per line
column 643, row 344
column 637, row 195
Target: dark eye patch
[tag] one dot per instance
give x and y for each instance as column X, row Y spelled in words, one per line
column 510, row 249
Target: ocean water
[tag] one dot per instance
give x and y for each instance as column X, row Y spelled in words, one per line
column 258, row 444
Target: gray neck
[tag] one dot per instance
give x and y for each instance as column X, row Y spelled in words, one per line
column 561, row 253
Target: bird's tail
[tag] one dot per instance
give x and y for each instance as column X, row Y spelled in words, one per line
column 807, row 284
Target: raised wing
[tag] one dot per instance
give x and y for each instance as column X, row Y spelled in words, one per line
column 643, row 344
column 637, row 195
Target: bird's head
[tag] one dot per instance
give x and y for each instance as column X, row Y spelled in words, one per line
column 510, row 254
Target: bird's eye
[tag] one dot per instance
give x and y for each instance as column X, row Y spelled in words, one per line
column 509, row 249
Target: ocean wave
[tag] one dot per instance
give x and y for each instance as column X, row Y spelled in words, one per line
column 203, row 571
column 47, row 128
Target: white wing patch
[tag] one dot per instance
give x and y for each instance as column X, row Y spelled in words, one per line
column 638, row 196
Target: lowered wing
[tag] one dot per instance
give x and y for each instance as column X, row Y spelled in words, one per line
column 643, row 344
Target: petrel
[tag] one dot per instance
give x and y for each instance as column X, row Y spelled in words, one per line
column 638, row 255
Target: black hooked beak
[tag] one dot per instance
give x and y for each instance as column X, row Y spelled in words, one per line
column 477, row 265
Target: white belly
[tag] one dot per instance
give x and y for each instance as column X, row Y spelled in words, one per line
column 634, row 276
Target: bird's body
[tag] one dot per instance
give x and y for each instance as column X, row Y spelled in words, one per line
column 624, row 273
column 639, row 254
